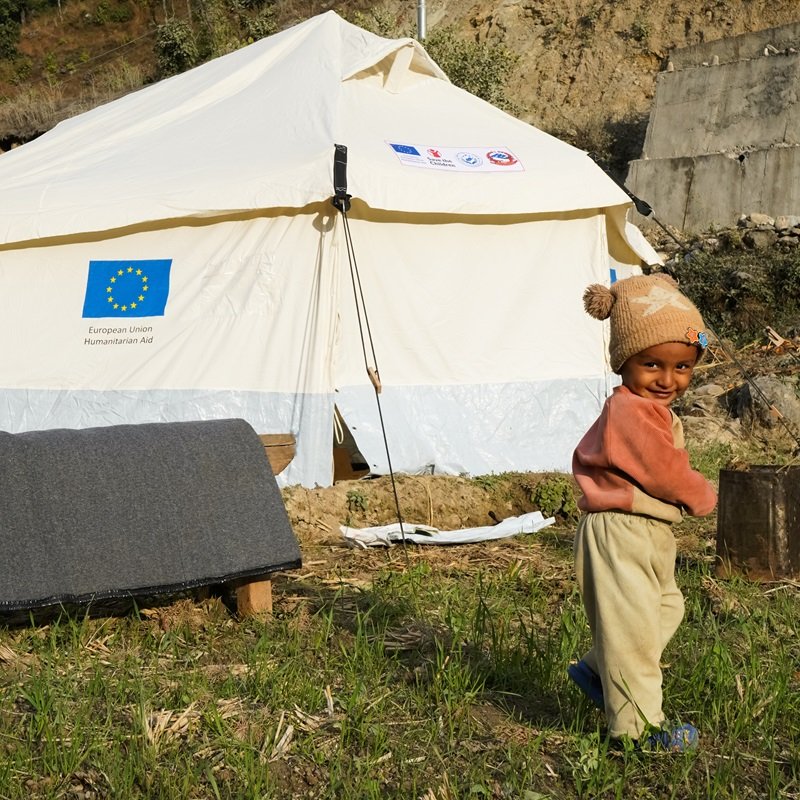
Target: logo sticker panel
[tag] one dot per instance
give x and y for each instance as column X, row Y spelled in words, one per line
column 456, row 159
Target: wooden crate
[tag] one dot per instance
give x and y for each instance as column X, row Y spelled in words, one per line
column 279, row 448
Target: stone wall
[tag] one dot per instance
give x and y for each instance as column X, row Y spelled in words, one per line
column 724, row 133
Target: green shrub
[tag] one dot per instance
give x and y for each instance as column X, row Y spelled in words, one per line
column 10, row 18
column 176, row 49
column 587, row 24
column 356, row 501
column 640, row 30
column 23, row 68
column 258, row 26
column 554, row 496
column 112, row 12
column 217, row 29
column 740, row 292
column 481, row 69
column 378, row 20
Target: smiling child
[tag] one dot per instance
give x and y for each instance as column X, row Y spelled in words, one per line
column 634, row 472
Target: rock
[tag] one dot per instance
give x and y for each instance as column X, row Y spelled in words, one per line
column 749, row 405
column 786, row 222
column 692, row 255
column 706, row 400
column 703, row 406
column 788, row 241
column 760, row 239
column 709, row 390
column 710, row 430
column 762, row 219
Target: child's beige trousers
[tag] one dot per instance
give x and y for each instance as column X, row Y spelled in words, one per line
column 625, row 566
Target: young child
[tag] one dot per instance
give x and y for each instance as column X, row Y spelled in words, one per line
column 634, row 473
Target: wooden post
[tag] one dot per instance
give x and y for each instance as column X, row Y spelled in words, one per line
column 279, row 449
column 254, row 598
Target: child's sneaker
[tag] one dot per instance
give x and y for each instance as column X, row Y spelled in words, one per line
column 675, row 740
column 588, row 681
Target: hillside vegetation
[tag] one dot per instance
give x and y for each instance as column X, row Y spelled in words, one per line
column 583, row 70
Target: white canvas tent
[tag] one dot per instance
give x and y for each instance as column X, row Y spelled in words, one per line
column 474, row 234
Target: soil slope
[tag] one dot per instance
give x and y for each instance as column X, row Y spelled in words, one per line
column 586, row 69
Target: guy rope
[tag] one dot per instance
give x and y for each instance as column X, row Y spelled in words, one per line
column 341, row 201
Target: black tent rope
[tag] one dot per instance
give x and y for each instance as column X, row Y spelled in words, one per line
column 341, row 201
column 646, row 210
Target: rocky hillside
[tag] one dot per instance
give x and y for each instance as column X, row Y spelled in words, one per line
column 585, row 69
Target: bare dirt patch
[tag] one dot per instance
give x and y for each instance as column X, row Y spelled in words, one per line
column 446, row 502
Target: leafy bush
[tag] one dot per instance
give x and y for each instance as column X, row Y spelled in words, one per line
column 176, row 49
column 740, row 292
column 119, row 13
column 261, row 25
column 640, row 30
column 378, row 20
column 218, row 29
column 220, row 26
column 10, row 17
column 555, row 496
column 23, row 69
column 613, row 143
column 356, row 501
column 481, row 69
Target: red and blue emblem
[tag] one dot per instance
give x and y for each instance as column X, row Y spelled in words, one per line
column 501, row 158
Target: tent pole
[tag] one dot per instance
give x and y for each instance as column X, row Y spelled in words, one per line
column 421, row 21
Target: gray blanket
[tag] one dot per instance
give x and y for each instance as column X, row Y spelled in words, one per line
column 136, row 509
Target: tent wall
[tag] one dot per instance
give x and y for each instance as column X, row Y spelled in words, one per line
column 487, row 358
column 247, row 332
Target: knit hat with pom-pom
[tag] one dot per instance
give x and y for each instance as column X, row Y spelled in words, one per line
column 645, row 311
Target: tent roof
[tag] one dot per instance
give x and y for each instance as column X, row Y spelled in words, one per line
column 256, row 128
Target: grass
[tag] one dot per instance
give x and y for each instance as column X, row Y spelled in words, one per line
column 438, row 680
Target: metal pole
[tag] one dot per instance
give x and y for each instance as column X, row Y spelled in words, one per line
column 421, row 21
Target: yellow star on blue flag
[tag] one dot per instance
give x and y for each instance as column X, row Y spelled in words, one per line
column 137, row 288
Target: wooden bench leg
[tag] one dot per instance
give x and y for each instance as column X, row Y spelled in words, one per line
column 254, row 598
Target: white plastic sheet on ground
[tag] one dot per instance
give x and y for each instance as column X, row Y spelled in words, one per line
column 425, row 534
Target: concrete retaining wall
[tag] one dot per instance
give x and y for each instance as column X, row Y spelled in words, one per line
column 694, row 193
column 724, row 139
column 737, row 48
column 731, row 107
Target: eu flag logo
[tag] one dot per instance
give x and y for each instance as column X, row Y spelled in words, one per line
column 127, row 288
column 406, row 149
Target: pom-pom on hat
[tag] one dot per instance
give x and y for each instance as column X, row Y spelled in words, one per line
column 645, row 311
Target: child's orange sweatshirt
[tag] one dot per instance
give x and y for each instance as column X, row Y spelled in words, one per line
column 633, row 459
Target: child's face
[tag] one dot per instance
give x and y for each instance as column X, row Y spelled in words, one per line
column 661, row 373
